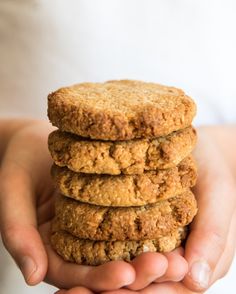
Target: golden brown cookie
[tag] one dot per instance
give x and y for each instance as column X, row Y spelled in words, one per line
column 93, row 222
column 120, row 110
column 126, row 190
column 127, row 157
column 89, row 252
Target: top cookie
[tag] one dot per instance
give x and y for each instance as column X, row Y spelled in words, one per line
column 120, row 110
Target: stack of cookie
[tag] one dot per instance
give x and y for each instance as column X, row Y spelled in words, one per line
column 123, row 168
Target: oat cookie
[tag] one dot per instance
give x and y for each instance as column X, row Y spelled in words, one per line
column 126, row 190
column 120, row 110
column 89, row 252
column 93, row 222
column 127, row 157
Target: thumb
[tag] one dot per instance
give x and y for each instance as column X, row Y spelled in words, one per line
column 215, row 192
column 18, row 223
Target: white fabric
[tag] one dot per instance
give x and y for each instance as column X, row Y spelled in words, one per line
column 47, row 44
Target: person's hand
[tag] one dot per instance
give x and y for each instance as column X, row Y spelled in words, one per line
column 26, row 201
column 26, row 209
column 210, row 246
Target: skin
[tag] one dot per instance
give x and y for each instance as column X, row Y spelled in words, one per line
column 26, row 209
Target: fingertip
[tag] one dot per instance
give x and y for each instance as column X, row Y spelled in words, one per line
column 30, row 257
column 182, row 270
column 33, row 274
column 198, row 278
column 203, row 251
column 177, row 268
column 36, row 276
column 150, row 259
column 29, row 270
column 123, row 271
column 148, row 267
column 115, row 274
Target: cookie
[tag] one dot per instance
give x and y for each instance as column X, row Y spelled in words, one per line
column 89, row 252
column 120, row 110
column 126, row 190
column 93, row 222
column 126, row 157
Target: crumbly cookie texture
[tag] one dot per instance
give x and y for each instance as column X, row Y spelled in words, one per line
column 126, row 190
column 126, row 157
column 120, row 110
column 93, row 222
column 89, row 252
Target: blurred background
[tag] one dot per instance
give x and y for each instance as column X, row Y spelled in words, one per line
column 45, row 45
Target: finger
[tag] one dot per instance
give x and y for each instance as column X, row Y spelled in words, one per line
column 21, row 173
column 109, row 276
column 226, row 259
column 215, row 192
column 18, row 223
column 175, row 261
column 177, row 267
column 148, row 267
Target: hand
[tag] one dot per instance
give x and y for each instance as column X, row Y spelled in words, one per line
column 26, row 209
column 211, row 244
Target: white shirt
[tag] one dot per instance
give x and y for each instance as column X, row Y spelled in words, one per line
column 49, row 44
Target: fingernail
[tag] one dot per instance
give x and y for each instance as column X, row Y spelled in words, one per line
column 200, row 273
column 27, row 267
